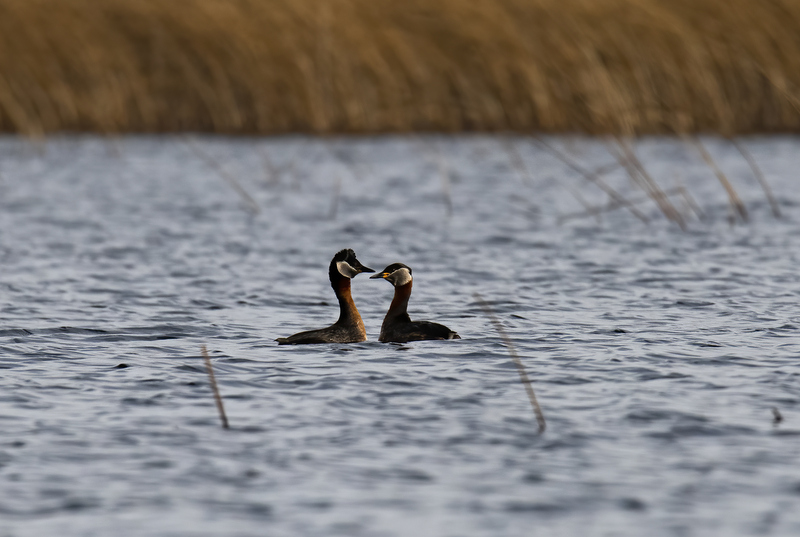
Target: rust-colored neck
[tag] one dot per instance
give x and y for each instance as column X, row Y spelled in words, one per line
column 399, row 306
column 348, row 313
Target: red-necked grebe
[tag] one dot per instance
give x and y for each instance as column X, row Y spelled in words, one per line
column 397, row 325
column 349, row 328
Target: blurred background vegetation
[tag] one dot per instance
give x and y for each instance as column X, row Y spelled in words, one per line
column 367, row 66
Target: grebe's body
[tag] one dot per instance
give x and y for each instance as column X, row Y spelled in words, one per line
column 397, row 325
column 349, row 328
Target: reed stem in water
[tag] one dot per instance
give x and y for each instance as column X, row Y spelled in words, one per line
column 593, row 178
column 638, row 174
column 523, row 375
column 249, row 202
column 733, row 196
column 214, row 388
column 337, row 192
column 776, row 211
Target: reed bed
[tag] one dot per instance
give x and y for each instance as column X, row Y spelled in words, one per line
column 622, row 67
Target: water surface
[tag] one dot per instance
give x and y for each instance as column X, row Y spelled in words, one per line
column 657, row 354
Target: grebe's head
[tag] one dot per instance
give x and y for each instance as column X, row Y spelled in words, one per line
column 397, row 274
column 346, row 264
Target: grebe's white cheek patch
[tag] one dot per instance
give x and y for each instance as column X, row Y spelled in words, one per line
column 345, row 269
column 400, row 276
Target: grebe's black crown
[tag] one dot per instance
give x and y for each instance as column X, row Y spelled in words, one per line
column 397, row 266
column 345, row 264
column 396, row 274
column 346, row 254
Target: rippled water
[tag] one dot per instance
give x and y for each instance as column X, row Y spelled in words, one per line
column 657, row 354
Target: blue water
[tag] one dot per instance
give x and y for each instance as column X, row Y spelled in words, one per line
column 657, row 355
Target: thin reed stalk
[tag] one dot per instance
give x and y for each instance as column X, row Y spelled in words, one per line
column 588, row 208
column 693, row 205
column 113, row 147
column 595, row 211
column 638, row 174
column 776, row 210
column 442, row 166
column 517, row 161
column 689, row 200
column 592, row 177
column 337, row 193
column 249, row 202
column 214, row 388
column 512, row 351
column 600, row 170
column 444, row 173
column 271, row 171
column 605, row 168
column 736, row 202
column 351, row 165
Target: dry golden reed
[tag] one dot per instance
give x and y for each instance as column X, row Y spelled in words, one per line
column 364, row 66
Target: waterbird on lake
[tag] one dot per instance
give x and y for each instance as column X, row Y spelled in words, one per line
column 349, row 328
column 397, row 325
